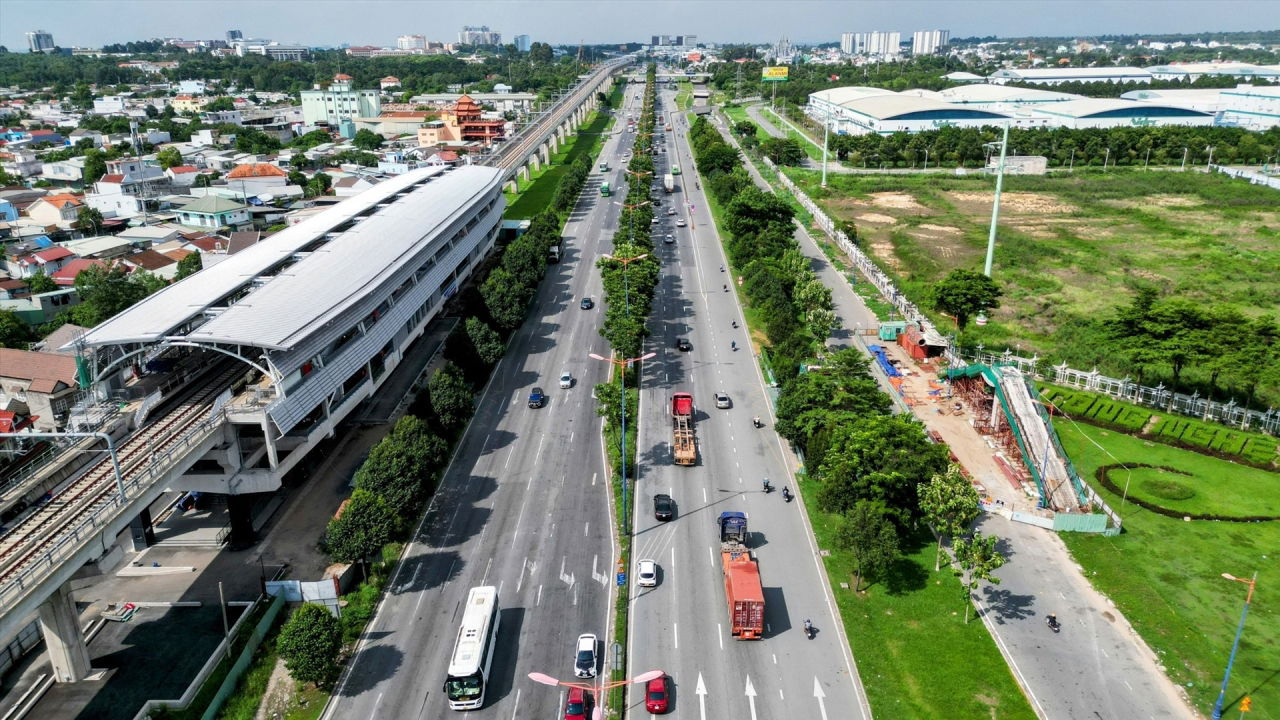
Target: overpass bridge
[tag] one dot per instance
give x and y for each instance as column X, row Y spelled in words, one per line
column 235, row 374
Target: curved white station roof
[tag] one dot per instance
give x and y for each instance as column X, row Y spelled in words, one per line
column 286, row 307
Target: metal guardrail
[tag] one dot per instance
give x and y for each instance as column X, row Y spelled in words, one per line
column 137, row 479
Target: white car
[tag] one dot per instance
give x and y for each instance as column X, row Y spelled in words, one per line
column 671, row 211
column 680, row 222
column 647, row 574
column 584, row 659
column 566, row 380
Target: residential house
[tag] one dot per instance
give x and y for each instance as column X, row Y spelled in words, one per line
column 394, row 123
column 44, row 262
column 51, row 137
column 66, row 173
column 11, row 289
column 99, row 247
column 121, row 192
column 182, row 175
column 351, row 185
column 109, row 105
column 65, row 335
column 152, row 262
column 150, row 235
column 84, row 133
column 389, row 81
column 191, row 87
column 252, row 179
column 42, row 385
column 222, row 117
column 8, row 211
column 19, row 162
column 41, row 309
column 66, row 277
column 213, row 211
column 339, row 103
column 59, row 210
column 188, row 103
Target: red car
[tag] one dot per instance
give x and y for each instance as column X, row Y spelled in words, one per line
column 657, row 695
column 578, row 706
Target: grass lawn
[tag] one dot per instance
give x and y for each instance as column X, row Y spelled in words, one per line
column 535, row 195
column 916, row 656
column 1070, row 247
column 1165, row 574
column 813, row 151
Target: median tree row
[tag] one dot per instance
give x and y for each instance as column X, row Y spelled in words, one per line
column 786, row 296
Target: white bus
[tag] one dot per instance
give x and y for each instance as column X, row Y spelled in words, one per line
column 473, row 651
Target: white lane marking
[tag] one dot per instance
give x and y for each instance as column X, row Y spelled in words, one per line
column 675, row 635
column 820, row 696
column 515, row 711
column 524, row 565
column 586, row 528
column 593, row 478
column 711, row 556
column 575, row 594
column 702, row 697
column 775, row 658
column 751, row 697
column 523, row 505
column 539, row 600
column 553, row 531
column 704, row 496
column 673, row 559
column 488, row 564
column 508, row 462
column 538, row 455
column 720, row 634
column 376, row 704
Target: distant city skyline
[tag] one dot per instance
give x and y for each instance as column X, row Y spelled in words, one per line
column 93, row 23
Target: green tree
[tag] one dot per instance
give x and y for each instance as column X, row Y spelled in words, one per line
column 865, row 531
column 104, row 291
column 949, row 503
column 744, row 127
column 41, row 283
column 169, row 157
column 404, row 466
column 883, row 459
column 506, row 298
column 220, row 104
column 319, row 184
column 13, row 332
column 783, row 151
column 95, row 166
column 964, row 293
column 367, row 140
column 978, row 559
column 451, row 399
column 190, row 265
column 485, row 340
column 309, row 642
column 297, row 178
column 365, row 525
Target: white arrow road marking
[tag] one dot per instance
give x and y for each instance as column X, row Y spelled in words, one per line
column 751, row 697
column 701, row 690
column 817, row 693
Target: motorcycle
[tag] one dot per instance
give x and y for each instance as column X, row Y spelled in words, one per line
column 733, row 346
column 726, row 288
column 756, row 421
column 786, row 494
column 735, row 324
column 809, row 630
column 767, row 487
column 1053, row 623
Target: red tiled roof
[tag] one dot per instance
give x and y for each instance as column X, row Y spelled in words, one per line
column 148, row 260
column 67, row 275
column 112, row 178
column 180, row 169
column 341, row 76
column 46, row 371
column 62, row 200
column 52, row 254
column 251, row 170
column 177, row 253
column 208, row 243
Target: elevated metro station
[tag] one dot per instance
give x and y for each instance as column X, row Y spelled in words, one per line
column 222, row 382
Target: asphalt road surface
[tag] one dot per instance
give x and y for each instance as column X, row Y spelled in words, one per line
column 523, row 507
column 680, row 626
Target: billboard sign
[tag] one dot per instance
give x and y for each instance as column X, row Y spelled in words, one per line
column 774, row 74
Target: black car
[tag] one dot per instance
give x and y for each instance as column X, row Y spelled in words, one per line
column 664, row 508
column 683, row 344
column 537, row 398
column 586, row 304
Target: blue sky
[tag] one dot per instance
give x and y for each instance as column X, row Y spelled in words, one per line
column 91, row 23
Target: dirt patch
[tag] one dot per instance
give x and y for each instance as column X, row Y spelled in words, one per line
column 1158, row 201
column 1015, row 202
column 897, row 201
column 1035, row 231
column 884, row 251
column 877, row 218
column 940, row 229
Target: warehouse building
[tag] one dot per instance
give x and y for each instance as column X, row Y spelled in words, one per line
column 1057, row 76
column 1114, row 112
column 1195, row 71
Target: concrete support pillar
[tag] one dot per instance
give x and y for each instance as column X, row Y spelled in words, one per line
column 273, row 453
column 511, row 187
column 239, row 512
column 536, row 162
column 546, row 154
column 63, row 638
column 524, row 173
column 141, row 532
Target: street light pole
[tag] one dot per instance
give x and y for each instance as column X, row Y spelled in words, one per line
column 1222, row 693
column 624, row 522
column 995, row 206
column 826, row 133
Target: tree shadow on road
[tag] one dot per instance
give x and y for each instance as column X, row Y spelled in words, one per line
column 374, row 664
column 1005, row 605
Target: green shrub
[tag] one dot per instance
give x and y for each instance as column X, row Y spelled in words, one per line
column 1261, row 451
column 1172, row 428
column 1199, row 435
column 1133, row 419
column 1105, row 411
column 1233, row 443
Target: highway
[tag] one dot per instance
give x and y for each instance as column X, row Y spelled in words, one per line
column 680, row 626
column 523, row 506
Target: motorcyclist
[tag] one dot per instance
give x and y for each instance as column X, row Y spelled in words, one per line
column 735, row 323
column 756, row 421
column 733, row 344
column 765, row 484
column 808, row 627
column 786, row 493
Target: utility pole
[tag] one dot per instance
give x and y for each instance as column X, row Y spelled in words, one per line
column 995, row 206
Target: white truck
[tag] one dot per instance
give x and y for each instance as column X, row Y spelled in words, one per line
column 669, row 182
